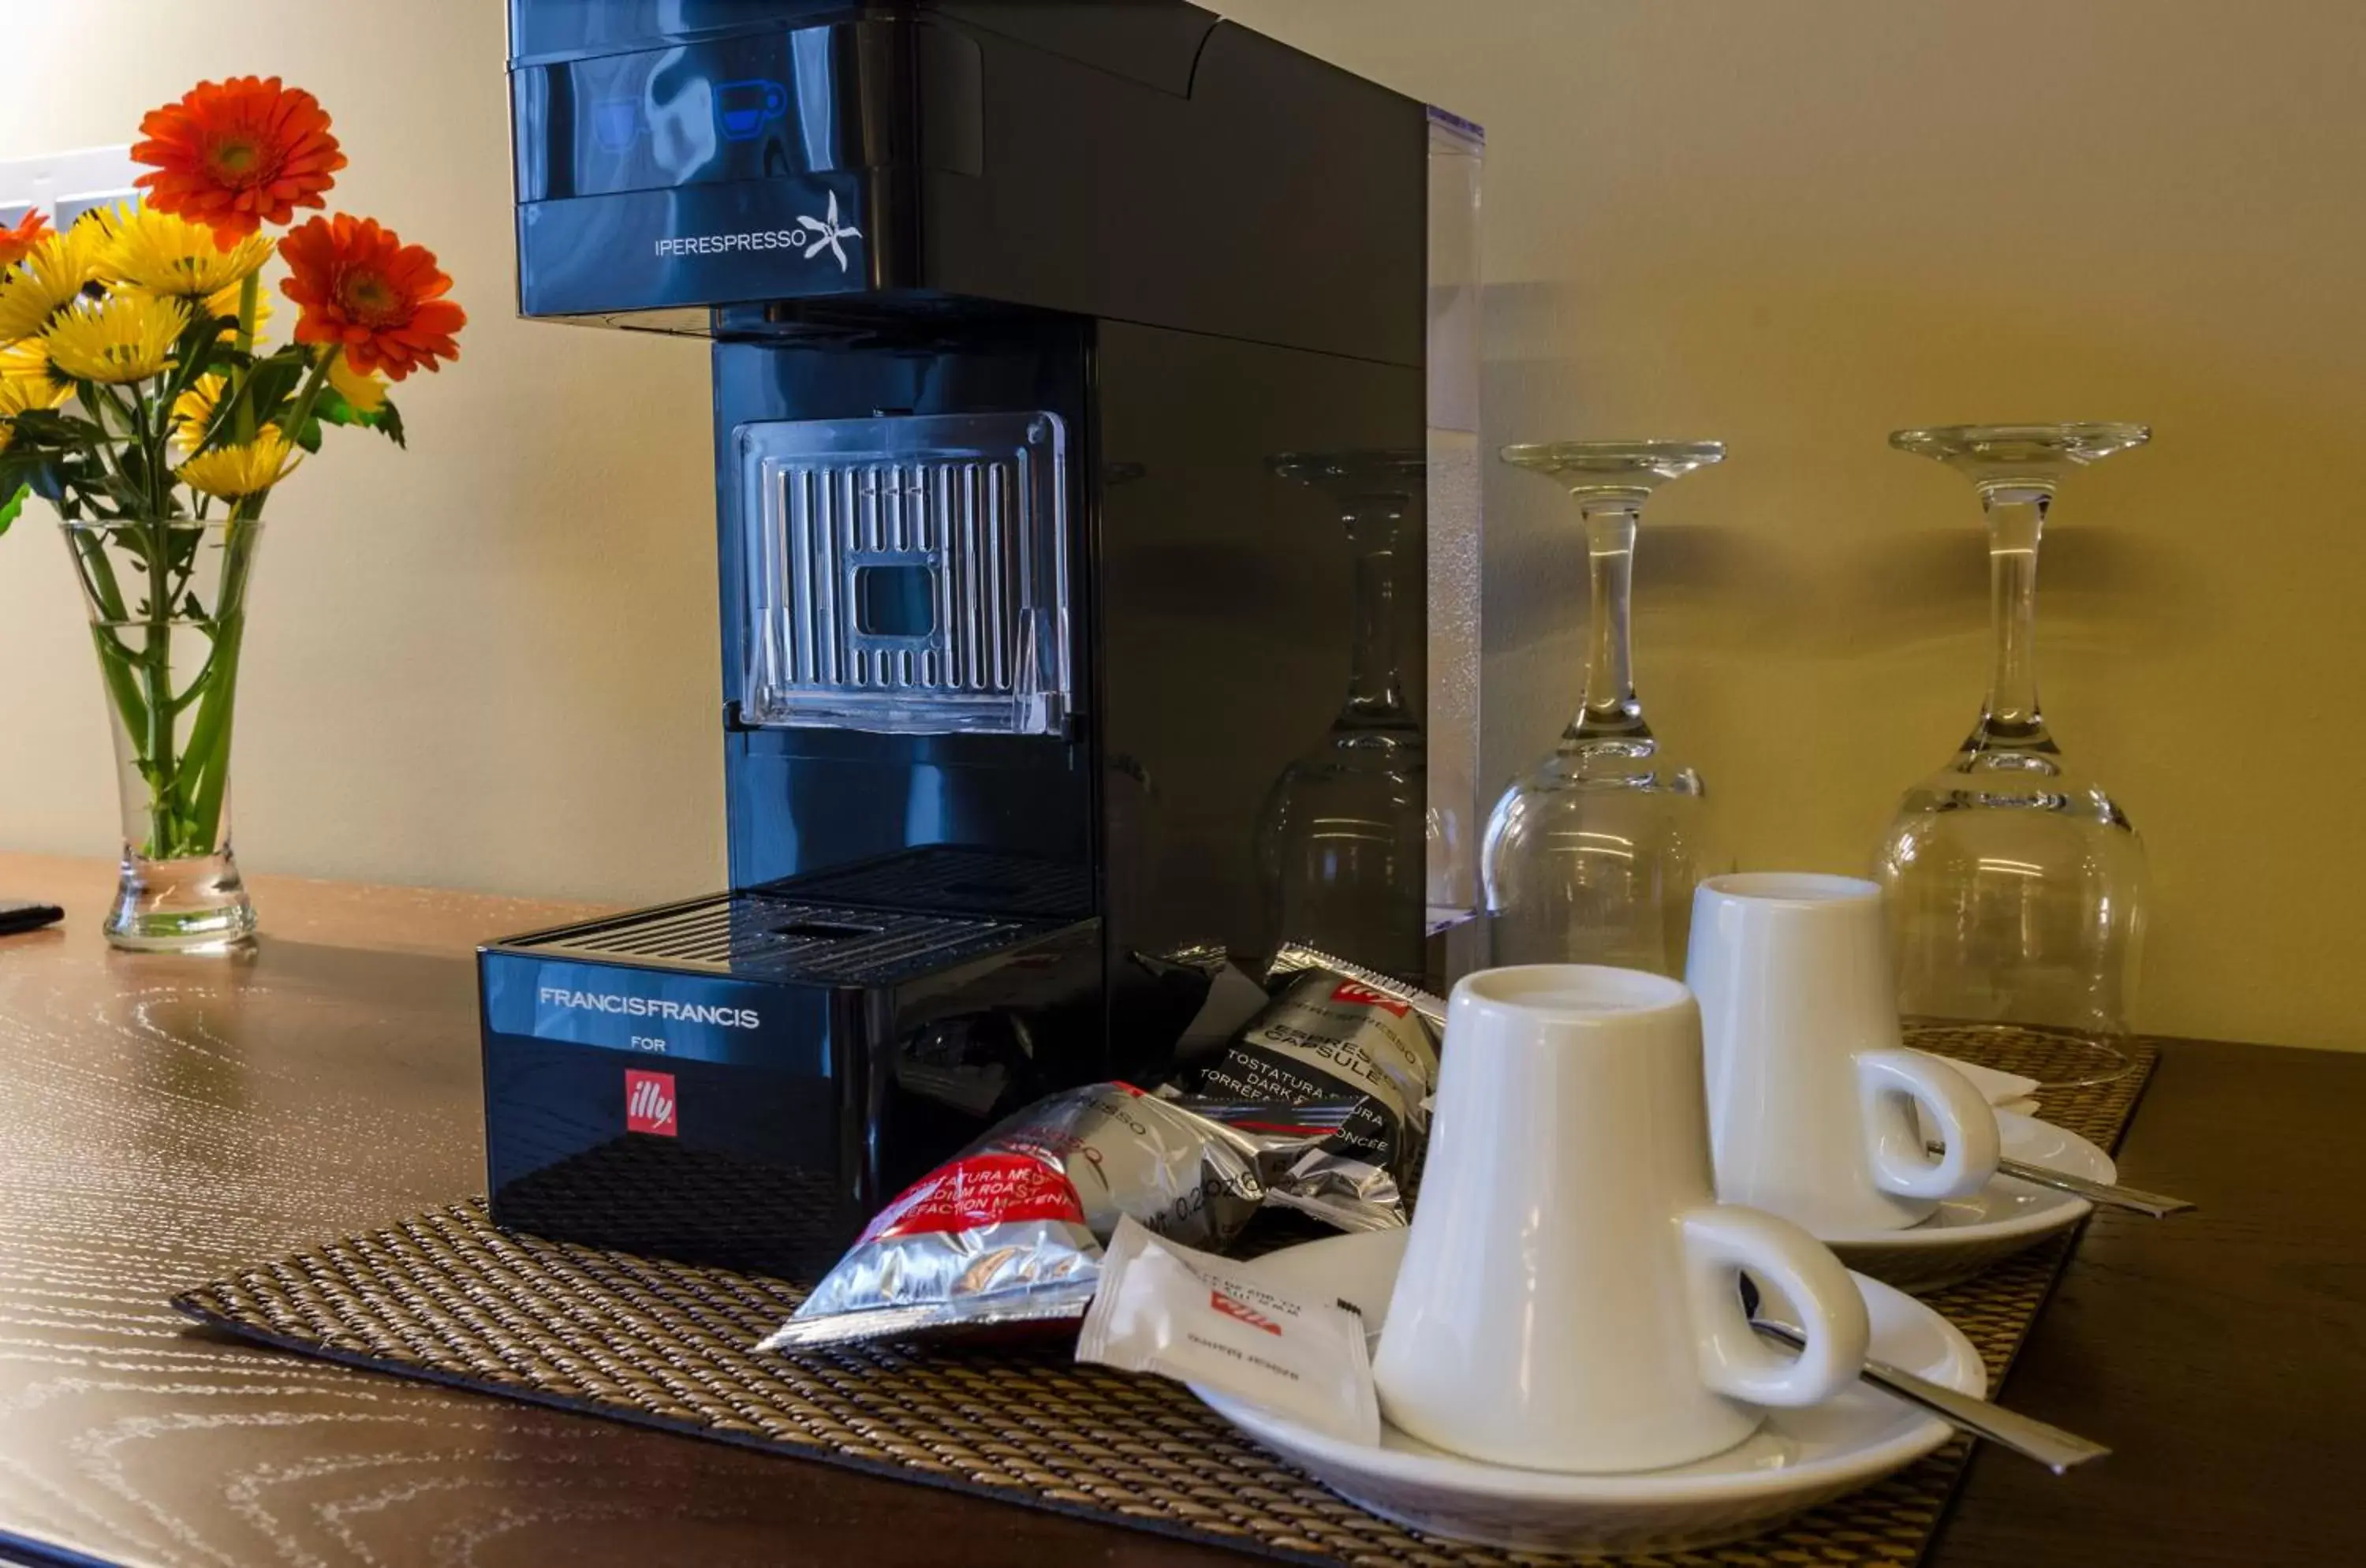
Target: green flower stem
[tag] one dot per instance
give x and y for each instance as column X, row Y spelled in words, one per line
column 206, row 761
column 156, row 668
column 203, row 774
column 249, row 293
column 100, row 401
column 99, row 573
column 115, row 660
column 299, row 412
column 139, row 681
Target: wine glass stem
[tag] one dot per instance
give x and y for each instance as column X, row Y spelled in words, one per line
column 2016, row 521
column 1375, row 688
column 1610, row 710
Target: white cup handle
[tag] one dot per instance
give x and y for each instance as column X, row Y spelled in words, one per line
column 1893, row 1083
column 1722, row 1240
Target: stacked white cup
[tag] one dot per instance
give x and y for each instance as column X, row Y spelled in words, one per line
column 1609, row 1151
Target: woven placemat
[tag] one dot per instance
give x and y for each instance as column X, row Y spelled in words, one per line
column 445, row 1296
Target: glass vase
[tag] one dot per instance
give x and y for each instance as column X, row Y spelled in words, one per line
column 1591, row 855
column 167, row 603
column 1342, row 839
column 2017, row 885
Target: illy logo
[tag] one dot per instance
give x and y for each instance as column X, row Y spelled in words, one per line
column 1349, row 991
column 1230, row 1307
column 648, row 1104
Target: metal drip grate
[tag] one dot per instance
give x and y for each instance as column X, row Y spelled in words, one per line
column 757, row 937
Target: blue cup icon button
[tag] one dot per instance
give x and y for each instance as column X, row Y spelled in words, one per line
column 743, row 109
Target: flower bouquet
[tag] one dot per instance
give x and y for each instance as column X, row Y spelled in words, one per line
column 139, row 398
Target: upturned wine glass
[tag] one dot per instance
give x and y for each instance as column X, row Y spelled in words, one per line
column 1591, row 855
column 1342, row 838
column 2017, row 886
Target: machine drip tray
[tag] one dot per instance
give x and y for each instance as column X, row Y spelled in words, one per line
column 762, row 936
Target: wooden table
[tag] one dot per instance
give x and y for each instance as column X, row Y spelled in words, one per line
column 162, row 1121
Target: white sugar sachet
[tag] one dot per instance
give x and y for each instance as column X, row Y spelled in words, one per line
column 1202, row 1319
column 2006, row 1092
column 2000, row 1090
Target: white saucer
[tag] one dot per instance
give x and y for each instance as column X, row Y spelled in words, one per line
column 2004, row 1217
column 1798, row 1458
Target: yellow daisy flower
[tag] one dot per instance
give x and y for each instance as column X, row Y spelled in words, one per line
column 194, row 409
column 231, row 472
column 168, row 255
column 363, row 390
column 107, row 222
column 49, row 277
column 128, row 337
column 18, row 393
column 30, row 360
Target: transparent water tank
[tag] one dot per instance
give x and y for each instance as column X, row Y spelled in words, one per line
column 1457, row 154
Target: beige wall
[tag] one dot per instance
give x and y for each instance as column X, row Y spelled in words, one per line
column 488, row 661
column 1792, row 224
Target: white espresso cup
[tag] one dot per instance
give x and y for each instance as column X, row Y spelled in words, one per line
column 1811, row 1096
column 1568, row 1298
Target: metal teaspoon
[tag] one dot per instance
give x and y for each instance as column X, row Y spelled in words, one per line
column 2050, row 1446
column 2135, row 1200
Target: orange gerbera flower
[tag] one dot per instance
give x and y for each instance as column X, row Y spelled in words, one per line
column 15, row 243
column 362, row 289
column 234, row 155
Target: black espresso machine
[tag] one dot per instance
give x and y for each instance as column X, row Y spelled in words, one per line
column 1016, row 311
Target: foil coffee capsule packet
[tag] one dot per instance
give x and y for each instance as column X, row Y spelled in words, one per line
column 1210, row 1321
column 1204, row 997
column 1322, row 1038
column 1010, row 1230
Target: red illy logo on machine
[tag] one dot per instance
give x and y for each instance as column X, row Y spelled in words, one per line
column 648, row 1104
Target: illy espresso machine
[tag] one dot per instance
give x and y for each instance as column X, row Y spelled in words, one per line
column 1051, row 343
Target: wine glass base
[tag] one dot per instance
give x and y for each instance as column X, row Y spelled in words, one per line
column 2034, row 447
column 1638, row 465
column 2057, row 1058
